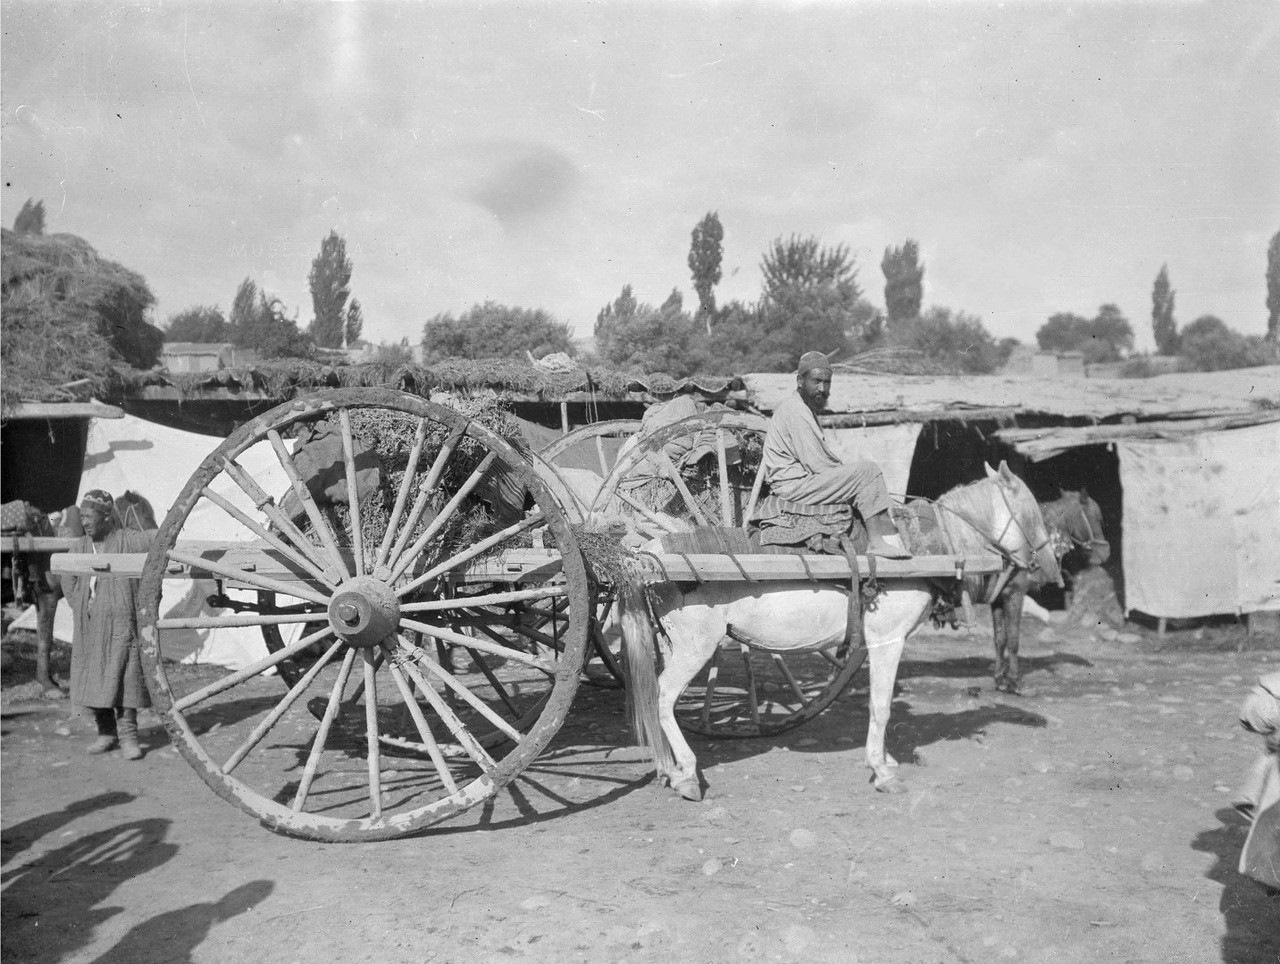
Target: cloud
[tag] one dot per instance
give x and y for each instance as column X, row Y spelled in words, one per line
column 524, row 182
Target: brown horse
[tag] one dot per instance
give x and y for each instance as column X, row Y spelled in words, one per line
column 1074, row 522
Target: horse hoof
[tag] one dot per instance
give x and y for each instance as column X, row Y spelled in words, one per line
column 689, row 789
column 54, row 693
column 891, row 786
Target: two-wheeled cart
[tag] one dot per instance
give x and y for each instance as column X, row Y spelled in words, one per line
column 428, row 609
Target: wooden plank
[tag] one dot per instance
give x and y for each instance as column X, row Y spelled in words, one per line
column 521, row 565
column 38, row 543
column 33, row 410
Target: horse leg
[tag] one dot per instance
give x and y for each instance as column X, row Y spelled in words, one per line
column 884, row 657
column 1012, row 606
column 1000, row 632
column 46, row 607
column 693, row 642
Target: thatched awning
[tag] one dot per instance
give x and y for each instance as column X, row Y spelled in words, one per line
column 280, row 381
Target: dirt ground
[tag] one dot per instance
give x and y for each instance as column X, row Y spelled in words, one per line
column 1088, row 820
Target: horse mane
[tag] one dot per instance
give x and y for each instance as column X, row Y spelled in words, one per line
column 973, row 505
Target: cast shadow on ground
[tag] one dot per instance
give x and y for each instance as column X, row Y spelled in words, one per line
column 908, row 732
column 52, row 903
column 20, row 836
column 1250, row 915
column 171, row 937
column 983, row 667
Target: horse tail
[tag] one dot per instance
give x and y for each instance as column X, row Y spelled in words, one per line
column 640, row 650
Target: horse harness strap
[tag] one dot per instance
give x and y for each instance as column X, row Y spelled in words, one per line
column 853, row 636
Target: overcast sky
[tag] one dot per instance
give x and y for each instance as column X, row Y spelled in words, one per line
column 1046, row 157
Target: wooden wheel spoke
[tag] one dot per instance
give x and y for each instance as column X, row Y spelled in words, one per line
column 401, row 565
column 266, row 504
column 455, row 726
column 532, row 635
column 506, row 651
column 662, row 524
column 239, row 676
column 353, row 493
column 488, row 599
column 722, row 461
column 200, row 562
column 756, row 485
column 237, row 619
column 420, row 722
column 752, row 698
column 265, row 534
column 371, row 734
column 322, row 732
column 785, row 670
column 677, row 480
column 600, row 456
column 402, row 496
column 484, row 545
column 263, row 728
column 318, row 522
column 476, row 703
column 429, row 486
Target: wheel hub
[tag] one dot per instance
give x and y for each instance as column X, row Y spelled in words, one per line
column 364, row 611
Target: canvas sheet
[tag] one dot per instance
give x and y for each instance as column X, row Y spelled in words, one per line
column 1202, row 523
column 156, row 461
column 890, row 446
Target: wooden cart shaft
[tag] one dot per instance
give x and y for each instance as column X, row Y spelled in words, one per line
column 521, row 565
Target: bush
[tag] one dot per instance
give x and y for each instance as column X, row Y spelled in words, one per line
column 1209, row 345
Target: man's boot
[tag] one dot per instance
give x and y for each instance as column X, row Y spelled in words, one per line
column 127, row 725
column 883, row 539
column 105, row 721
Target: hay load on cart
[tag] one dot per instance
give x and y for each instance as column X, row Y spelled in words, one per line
column 424, row 592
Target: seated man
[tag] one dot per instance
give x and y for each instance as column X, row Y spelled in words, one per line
column 800, row 467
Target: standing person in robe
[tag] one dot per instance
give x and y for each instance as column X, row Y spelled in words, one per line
column 106, row 670
column 800, row 467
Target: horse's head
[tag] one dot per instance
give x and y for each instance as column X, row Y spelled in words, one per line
column 1080, row 518
column 1020, row 530
column 135, row 512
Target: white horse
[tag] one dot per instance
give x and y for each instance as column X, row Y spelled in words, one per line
column 997, row 513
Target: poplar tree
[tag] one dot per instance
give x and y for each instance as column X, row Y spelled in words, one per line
column 330, row 280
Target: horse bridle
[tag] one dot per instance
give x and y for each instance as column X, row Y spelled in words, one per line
column 1013, row 520
column 1093, row 539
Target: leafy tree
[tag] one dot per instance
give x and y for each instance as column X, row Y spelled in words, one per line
column 394, row 354
column 1107, row 337
column 202, row 323
column 1273, row 289
column 330, row 280
column 355, row 322
column 705, row 255
column 635, row 336
column 1209, row 345
column 1162, row 323
column 492, row 330
column 810, row 299
column 954, row 341
column 259, row 321
column 803, row 263
column 30, row 219
column 903, row 282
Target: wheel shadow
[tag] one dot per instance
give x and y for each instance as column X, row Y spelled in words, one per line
column 54, row 902
column 908, row 734
column 983, row 667
column 1250, row 915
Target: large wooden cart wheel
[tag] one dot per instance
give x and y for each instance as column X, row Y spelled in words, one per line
column 706, row 471
column 582, row 459
column 400, row 554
